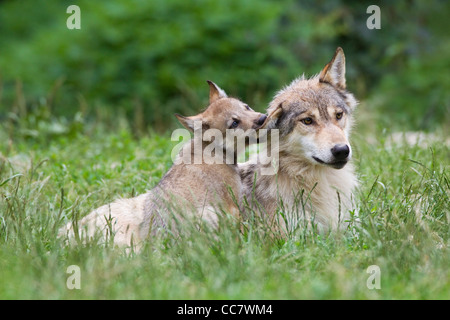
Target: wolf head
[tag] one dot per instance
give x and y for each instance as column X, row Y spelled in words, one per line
column 230, row 123
column 316, row 116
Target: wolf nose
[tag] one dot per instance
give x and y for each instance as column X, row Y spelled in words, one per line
column 261, row 120
column 340, row 151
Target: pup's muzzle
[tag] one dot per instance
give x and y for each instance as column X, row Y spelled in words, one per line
column 261, row 120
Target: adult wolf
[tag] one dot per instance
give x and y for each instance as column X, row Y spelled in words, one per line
column 315, row 180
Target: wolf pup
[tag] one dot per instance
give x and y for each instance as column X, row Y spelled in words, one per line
column 200, row 188
column 213, row 183
column 315, row 179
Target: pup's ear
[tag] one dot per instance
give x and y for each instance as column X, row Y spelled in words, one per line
column 334, row 71
column 215, row 92
column 192, row 123
column 187, row 122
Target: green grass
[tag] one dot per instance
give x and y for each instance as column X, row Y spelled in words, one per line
column 68, row 168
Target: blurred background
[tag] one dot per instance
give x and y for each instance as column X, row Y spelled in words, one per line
column 143, row 60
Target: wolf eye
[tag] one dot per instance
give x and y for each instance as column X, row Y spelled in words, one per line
column 307, row 121
column 339, row 115
column 247, row 107
column 234, row 124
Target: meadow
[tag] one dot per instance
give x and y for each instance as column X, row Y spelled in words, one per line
column 53, row 170
column 86, row 117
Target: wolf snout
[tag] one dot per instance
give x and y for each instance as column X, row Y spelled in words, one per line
column 340, row 152
column 261, row 120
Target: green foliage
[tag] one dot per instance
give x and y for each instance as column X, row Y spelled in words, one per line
column 403, row 228
column 425, row 78
column 150, row 59
column 76, row 105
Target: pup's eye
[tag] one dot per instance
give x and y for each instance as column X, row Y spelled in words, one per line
column 247, row 107
column 307, row 121
column 234, row 124
column 339, row 115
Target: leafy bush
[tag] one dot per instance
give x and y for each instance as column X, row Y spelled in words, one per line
column 151, row 58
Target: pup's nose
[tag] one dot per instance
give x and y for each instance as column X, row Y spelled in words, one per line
column 261, row 120
column 340, row 151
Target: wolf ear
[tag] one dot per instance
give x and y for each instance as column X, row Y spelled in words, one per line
column 192, row 123
column 187, row 122
column 215, row 92
column 273, row 117
column 334, row 71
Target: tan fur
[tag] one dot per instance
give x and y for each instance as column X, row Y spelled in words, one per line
column 200, row 189
column 318, row 191
column 119, row 220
